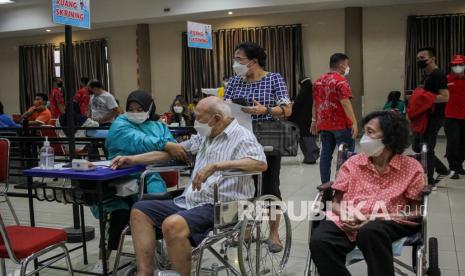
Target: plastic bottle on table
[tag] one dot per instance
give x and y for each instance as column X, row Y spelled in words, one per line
column 46, row 156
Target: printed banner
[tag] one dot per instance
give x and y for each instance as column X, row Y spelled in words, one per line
column 199, row 35
column 71, row 12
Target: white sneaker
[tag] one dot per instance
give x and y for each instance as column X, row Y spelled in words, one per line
column 98, row 267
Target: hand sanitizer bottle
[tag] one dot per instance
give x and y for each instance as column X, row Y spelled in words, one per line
column 46, row 155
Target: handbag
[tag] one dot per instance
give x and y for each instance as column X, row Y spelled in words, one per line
column 283, row 136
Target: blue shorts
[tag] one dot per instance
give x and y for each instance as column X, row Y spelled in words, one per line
column 199, row 219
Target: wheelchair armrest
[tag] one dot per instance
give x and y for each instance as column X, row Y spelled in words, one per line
column 427, row 190
column 325, row 186
column 157, row 196
column 232, row 173
column 163, row 196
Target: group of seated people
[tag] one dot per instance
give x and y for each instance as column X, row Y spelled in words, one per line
column 91, row 101
column 379, row 173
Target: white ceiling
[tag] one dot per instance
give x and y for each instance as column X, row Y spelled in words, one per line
column 28, row 17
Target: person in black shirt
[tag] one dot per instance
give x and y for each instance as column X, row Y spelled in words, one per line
column 435, row 81
column 302, row 116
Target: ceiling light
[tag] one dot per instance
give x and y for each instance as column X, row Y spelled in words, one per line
column 48, row 30
column 230, row 12
column 6, row 2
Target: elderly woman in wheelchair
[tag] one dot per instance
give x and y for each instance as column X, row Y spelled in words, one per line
column 222, row 144
column 377, row 199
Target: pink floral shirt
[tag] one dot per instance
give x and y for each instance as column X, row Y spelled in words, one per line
column 364, row 187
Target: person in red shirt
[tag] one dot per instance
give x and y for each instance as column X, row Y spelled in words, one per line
column 332, row 113
column 82, row 97
column 455, row 117
column 377, row 200
column 57, row 100
column 38, row 114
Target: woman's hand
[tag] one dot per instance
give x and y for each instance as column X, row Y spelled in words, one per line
column 257, row 109
column 354, row 225
column 121, row 161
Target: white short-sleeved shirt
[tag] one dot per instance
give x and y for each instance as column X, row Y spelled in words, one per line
column 234, row 143
column 102, row 104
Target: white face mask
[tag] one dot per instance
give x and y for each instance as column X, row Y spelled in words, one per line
column 178, row 109
column 370, row 146
column 138, row 117
column 240, row 69
column 203, row 129
column 458, row 69
column 347, row 71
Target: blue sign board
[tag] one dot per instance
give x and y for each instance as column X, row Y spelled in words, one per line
column 199, row 35
column 71, row 12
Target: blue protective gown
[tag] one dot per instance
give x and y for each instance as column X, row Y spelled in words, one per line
column 127, row 138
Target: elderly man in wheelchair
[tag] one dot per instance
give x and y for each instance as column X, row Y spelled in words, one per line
column 377, row 201
column 222, row 144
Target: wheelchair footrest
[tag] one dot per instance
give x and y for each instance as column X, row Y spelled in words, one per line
column 167, row 273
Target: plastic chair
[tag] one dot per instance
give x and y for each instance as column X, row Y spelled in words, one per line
column 22, row 244
column 4, row 175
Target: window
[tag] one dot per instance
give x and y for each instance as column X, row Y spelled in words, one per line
column 107, row 67
column 57, row 61
column 88, row 69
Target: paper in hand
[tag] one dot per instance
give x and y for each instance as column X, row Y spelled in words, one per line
column 242, row 118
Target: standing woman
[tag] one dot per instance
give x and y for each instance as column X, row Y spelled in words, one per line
column 267, row 97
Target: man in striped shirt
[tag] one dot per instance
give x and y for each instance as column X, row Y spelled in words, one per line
column 221, row 144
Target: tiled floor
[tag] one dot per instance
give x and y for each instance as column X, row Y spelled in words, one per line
column 298, row 182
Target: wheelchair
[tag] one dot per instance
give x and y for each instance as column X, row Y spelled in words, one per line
column 249, row 234
column 424, row 250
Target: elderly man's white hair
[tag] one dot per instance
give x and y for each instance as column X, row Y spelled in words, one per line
column 219, row 106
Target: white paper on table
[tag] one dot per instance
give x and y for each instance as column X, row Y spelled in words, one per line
column 104, row 163
column 242, row 118
column 210, row 91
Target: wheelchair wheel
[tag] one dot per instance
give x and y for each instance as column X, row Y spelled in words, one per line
column 433, row 264
column 255, row 256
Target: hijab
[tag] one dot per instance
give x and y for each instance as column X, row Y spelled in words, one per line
column 145, row 100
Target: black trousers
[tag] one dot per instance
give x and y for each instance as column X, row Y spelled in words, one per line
column 430, row 137
column 455, row 150
column 329, row 246
column 119, row 219
column 309, row 148
column 270, row 178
